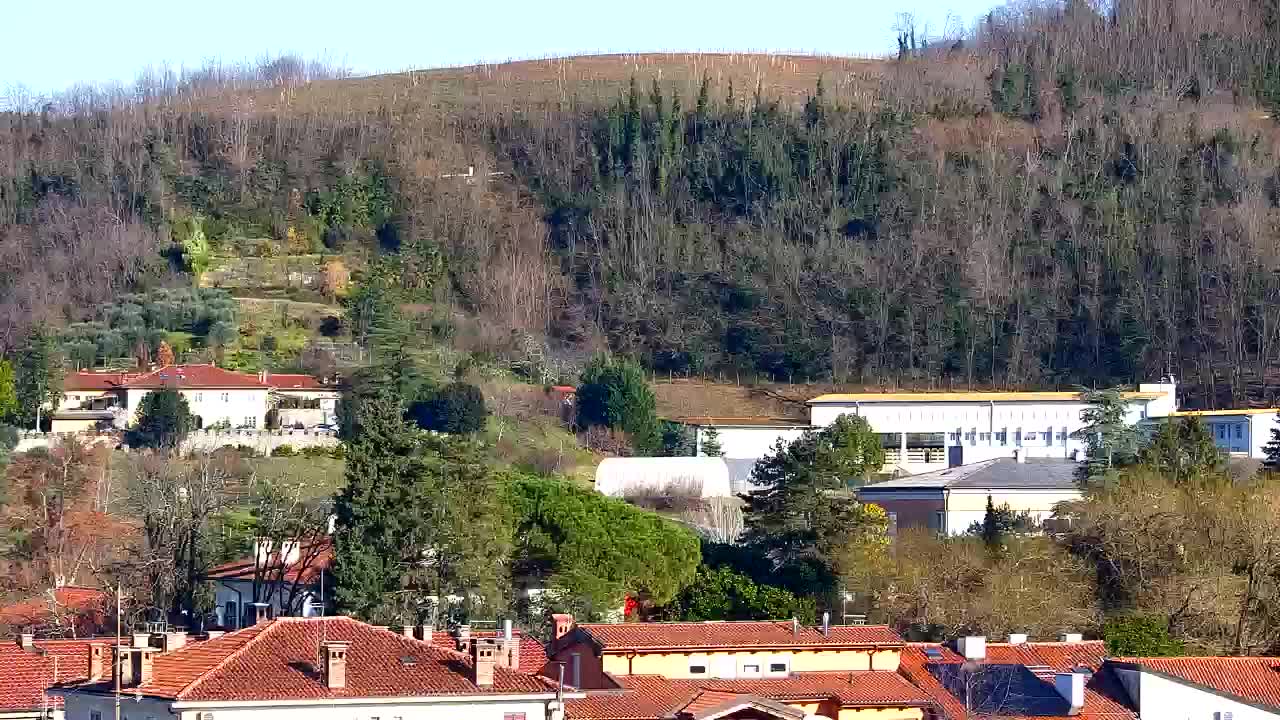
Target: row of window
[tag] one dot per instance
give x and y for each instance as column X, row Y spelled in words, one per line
column 726, row 668
column 199, row 397
column 1019, row 436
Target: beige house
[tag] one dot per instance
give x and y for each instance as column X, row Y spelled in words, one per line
column 949, row 501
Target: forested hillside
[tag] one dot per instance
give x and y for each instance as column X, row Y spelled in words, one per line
column 1065, row 195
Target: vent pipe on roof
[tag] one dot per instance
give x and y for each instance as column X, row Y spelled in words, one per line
column 826, row 624
column 795, row 627
column 97, row 661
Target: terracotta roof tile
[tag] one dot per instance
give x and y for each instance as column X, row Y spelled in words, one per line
column 88, row 380
column 278, row 660
column 285, row 381
column 317, row 557
column 768, row 633
column 25, row 675
column 1251, row 679
column 533, row 656
column 195, row 376
column 67, row 599
column 643, row 697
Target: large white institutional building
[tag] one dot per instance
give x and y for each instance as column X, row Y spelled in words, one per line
column 926, row 431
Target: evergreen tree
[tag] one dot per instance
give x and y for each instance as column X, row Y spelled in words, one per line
column 164, row 419
column 804, row 517
column 615, row 394
column 1272, row 448
column 8, row 394
column 1110, row 441
column 711, row 443
column 373, row 517
column 457, row 409
column 37, row 377
column 1183, row 450
column 992, row 532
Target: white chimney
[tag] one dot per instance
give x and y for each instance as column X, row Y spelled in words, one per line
column 972, row 647
column 291, row 552
column 1019, row 455
column 27, row 641
column 262, row 549
column 1017, row 638
column 141, row 640
column 1071, row 687
column 507, row 631
column 1071, row 638
column 333, row 655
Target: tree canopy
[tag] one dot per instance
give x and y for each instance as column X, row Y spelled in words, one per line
column 163, row 420
column 615, row 393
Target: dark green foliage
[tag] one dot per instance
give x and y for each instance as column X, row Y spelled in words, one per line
column 1183, row 450
column 1140, row 636
column 711, row 443
column 597, row 548
column 134, row 325
column 615, row 393
column 677, row 439
column 992, row 531
column 37, row 377
column 998, row 523
column 722, row 594
column 1110, row 441
column 457, row 409
column 805, row 514
column 1272, row 448
column 164, row 419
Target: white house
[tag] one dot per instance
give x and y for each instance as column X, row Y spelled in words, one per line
column 290, row 580
column 333, row 668
column 302, row 400
column 743, row 437
column 1240, row 432
column 1201, row 688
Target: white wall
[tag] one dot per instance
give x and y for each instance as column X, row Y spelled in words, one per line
column 701, row 476
column 240, row 592
column 1162, row 699
column 79, row 708
column 235, row 407
column 748, row 442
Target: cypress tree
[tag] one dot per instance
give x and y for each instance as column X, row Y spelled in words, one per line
column 37, row 377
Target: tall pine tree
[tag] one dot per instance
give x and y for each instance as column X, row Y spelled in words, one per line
column 37, row 377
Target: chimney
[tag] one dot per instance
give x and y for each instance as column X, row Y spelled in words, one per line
column 290, row 552
column 972, row 647
column 408, row 630
column 214, row 634
column 333, row 653
column 484, row 656
column 97, row 661
column 1019, row 455
column 1071, row 687
column 563, row 623
column 795, row 627
column 142, row 659
column 122, row 667
column 509, row 647
column 260, row 614
column 425, row 633
column 141, row 640
column 826, row 624
column 174, row 640
column 462, row 638
column 1070, row 638
column 27, row 641
column 1017, row 638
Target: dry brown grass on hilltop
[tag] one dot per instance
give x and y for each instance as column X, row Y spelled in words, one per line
column 495, row 87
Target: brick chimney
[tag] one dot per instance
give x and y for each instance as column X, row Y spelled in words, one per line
column 484, row 656
column 563, row 623
column 508, row 647
column 462, row 638
column 333, row 656
column 97, row 661
column 26, row 641
column 425, row 633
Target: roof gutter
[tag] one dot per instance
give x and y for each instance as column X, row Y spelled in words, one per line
column 410, row 700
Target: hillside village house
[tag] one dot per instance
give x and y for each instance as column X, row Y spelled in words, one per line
column 290, row 581
column 29, row 667
column 925, row 431
column 950, row 500
column 333, row 668
column 217, row 397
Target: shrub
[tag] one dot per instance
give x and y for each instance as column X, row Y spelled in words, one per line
column 457, row 409
column 285, row 450
column 164, row 419
column 615, row 394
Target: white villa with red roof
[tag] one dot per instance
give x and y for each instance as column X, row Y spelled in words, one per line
column 333, row 668
column 217, row 397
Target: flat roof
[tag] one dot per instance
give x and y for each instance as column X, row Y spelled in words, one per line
column 967, row 397
column 1234, row 411
column 997, row 474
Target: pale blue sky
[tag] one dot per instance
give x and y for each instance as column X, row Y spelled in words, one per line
column 51, row 45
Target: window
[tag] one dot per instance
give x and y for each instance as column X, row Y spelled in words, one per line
column 250, row 421
column 1062, row 435
column 1002, row 437
column 1239, row 432
column 198, row 397
column 753, row 669
column 697, row 669
column 984, row 437
column 777, row 667
column 226, row 397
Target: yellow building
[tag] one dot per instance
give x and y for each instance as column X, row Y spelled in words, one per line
column 758, row 669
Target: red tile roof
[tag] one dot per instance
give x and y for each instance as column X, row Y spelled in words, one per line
column 294, row 382
column 1249, row 679
column 195, row 376
column 70, row 600
column 88, row 380
column 25, row 675
column 1041, row 660
column 278, row 659
column 746, row 634
column 533, row 656
column 316, row 558
column 643, row 697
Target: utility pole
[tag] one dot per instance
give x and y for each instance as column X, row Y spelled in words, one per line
column 115, row 670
